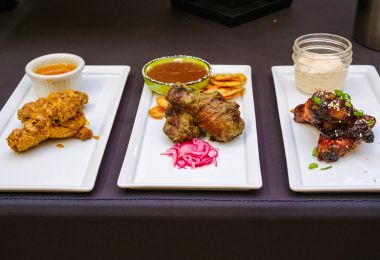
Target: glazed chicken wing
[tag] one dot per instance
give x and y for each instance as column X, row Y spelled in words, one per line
column 342, row 126
column 330, row 150
column 329, row 112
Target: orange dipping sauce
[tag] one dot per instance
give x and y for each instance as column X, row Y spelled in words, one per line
column 55, row 69
column 174, row 71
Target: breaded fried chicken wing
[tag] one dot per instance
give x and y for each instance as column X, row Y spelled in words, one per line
column 57, row 116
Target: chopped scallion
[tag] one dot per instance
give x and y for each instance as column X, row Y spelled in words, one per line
column 347, row 97
column 326, row 168
column 313, row 166
column 317, row 100
column 338, row 92
column 358, row 113
column 315, row 151
column 371, row 122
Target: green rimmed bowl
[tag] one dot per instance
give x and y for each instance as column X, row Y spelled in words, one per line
column 163, row 87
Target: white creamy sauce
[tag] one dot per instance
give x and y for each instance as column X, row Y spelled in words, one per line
column 317, row 74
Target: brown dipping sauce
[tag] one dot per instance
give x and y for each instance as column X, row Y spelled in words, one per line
column 172, row 72
column 55, row 69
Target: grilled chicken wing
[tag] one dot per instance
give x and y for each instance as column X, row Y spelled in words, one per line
column 219, row 118
column 209, row 112
column 180, row 126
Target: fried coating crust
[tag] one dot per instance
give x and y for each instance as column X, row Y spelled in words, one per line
column 21, row 139
column 57, row 116
column 84, row 133
column 36, row 131
column 58, row 106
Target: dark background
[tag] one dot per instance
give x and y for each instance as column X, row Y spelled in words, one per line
column 111, row 223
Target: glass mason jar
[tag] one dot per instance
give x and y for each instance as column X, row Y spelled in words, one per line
column 321, row 62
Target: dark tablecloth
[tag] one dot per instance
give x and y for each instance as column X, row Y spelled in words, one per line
column 112, row 223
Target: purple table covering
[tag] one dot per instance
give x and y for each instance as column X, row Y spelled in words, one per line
column 110, row 223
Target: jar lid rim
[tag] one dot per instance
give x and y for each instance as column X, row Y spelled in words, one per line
column 321, row 36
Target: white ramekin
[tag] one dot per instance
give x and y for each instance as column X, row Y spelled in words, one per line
column 45, row 84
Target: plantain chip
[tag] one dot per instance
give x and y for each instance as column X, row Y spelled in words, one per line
column 162, row 102
column 230, row 77
column 229, row 85
column 226, row 83
column 242, row 77
column 210, row 90
column 210, row 86
column 233, row 91
column 157, row 112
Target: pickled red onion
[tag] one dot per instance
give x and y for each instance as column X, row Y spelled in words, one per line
column 193, row 154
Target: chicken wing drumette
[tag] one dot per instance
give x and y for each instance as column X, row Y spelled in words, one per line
column 180, row 126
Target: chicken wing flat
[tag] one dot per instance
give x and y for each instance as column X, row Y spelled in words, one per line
column 330, row 150
column 36, row 131
column 58, row 106
column 209, row 112
column 57, row 116
column 342, row 126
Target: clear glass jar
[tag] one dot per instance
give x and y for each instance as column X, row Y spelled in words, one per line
column 321, row 62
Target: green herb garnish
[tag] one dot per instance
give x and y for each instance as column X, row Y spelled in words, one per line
column 326, row 168
column 358, row 113
column 338, row 92
column 313, row 166
column 317, row 100
column 315, row 151
column 371, row 122
column 346, row 97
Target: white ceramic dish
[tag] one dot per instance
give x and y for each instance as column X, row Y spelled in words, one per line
column 238, row 161
column 43, row 85
column 74, row 167
column 357, row 171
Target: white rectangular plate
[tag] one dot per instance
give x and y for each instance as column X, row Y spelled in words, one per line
column 74, row 167
column 238, row 161
column 357, row 171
